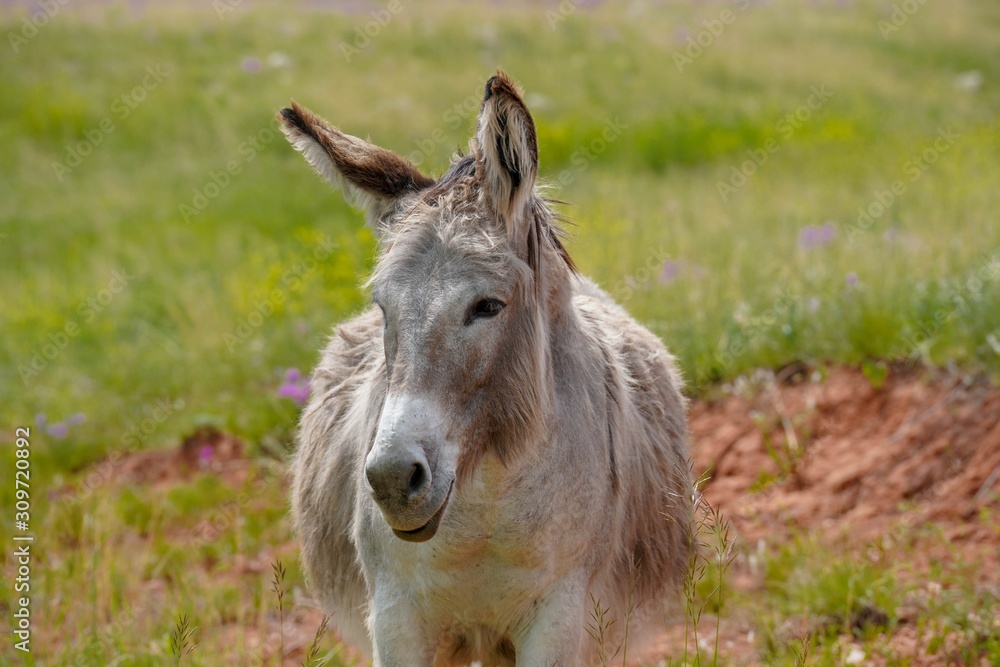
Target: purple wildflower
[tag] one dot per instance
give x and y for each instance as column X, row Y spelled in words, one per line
column 295, row 386
column 298, row 393
column 251, row 65
column 78, row 418
column 205, row 455
column 814, row 236
column 671, row 271
column 40, row 420
column 58, row 431
column 851, row 279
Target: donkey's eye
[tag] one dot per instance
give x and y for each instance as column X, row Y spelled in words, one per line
column 484, row 308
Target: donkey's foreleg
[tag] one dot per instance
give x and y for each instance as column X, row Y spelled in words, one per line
column 398, row 635
column 554, row 635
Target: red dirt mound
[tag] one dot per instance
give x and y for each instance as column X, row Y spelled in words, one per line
column 207, row 449
column 851, row 458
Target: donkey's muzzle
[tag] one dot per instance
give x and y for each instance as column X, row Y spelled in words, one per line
column 399, row 477
column 403, row 488
column 409, row 480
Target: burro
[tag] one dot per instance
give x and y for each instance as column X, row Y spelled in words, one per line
column 494, row 446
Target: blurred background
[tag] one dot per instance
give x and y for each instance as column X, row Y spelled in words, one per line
column 785, row 191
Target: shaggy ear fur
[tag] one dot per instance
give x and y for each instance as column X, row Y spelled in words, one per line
column 506, row 152
column 372, row 178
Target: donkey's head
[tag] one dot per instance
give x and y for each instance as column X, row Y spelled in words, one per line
column 468, row 280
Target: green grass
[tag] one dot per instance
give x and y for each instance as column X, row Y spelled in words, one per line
column 159, row 321
column 186, row 537
column 817, row 602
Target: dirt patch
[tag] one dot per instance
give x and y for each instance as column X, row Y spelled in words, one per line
column 206, row 450
column 854, row 459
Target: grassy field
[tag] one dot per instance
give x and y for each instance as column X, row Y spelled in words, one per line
column 758, row 182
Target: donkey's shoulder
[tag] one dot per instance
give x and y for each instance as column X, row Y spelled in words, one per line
column 347, row 388
column 648, row 437
column 586, row 289
column 640, row 349
column 354, row 346
column 346, row 395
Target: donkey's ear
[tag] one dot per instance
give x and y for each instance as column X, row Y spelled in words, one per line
column 371, row 177
column 506, row 151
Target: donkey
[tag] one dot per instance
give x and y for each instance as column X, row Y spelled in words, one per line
column 494, row 451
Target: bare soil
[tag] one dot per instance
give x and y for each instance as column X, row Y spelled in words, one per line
column 855, row 460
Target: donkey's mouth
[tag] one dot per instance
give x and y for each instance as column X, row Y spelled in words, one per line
column 429, row 529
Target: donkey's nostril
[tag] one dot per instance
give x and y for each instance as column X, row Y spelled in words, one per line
column 419, row 479
column 398, row 476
